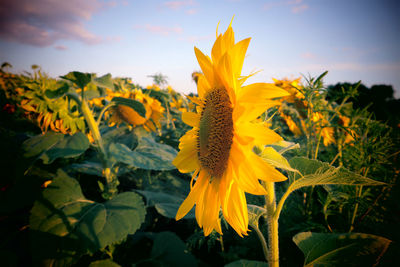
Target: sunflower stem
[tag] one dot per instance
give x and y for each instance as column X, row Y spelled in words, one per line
column 273, row 237
column 112, row 183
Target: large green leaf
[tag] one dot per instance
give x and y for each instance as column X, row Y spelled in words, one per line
column 68, row 147
column 38, row 144
column 79, row 78
column 349, row 249
column 104, row 81
column 148, row 155
column 247, row 263
column 170, row 250
column 52, row 146
column 315, row 172
column 59, row 92
column 63, row 213
column 165, row 204
column 132, row 103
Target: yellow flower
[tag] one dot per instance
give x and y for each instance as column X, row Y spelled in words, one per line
column 291, row 124
column 292, row 86
column 153, row 107
column 219, row 148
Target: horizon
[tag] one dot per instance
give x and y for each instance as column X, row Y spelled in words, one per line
column 353, row 41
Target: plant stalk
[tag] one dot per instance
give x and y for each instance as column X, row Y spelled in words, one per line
column 273, row 237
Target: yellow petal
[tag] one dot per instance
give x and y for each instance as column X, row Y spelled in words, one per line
column 243, row 113
column 238, row 54
column 189, row 202
column 258, row 92
column 202, row 86
column 205, row 65
column 191, row 119
column 260, row 133
column 263, row 170
column 236, row 214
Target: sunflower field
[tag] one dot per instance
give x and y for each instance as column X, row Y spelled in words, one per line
column 100, row 171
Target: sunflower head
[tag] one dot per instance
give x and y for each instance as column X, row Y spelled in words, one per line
column 150, row 122
column 219, row 148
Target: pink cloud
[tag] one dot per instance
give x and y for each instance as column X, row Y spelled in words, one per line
column 296, row 6
column 299, row 9
column 178, row 4
column 191, row 11
column 60, row 47
column 43, row 22
column 308, row 55
column 161, row 30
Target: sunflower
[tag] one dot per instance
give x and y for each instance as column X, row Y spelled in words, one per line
column 219, row 148
column 154, row 112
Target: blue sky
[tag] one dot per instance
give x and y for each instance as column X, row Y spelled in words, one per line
column 354, row 39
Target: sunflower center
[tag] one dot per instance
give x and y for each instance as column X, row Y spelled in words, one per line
column 216, row 132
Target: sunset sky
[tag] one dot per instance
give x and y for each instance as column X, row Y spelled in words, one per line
column 352, row 39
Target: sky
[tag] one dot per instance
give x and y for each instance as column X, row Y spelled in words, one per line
column 352, row 39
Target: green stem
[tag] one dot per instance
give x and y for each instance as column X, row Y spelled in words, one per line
column 359, row 191
column 263, row 242
column 102, row 112
column 273, row 237
column 319, row 141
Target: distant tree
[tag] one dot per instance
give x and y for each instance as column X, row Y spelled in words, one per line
column 379, row 99
column 159, row 79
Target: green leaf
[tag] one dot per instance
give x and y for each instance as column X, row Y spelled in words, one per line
column 166, row 204
column 276, row 159
column 349, row 249
column 169, row 249
column 104, row 81
column 88, row 167
column 148, row 155
column 36, row 145
column 132, row 103
column 247, row 263
column 320, row 173
column 104, row 263
column 69, row 147
column 255, row 212
column 79, row 78
column 64, row 214
column 60, row 92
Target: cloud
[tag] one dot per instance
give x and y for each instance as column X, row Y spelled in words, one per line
column 299, row 9
column 191, row 11
column 178, row 4
column 296, row 6
column 60, row 47
column 308, row 55
column 197, row 38
column 161, row 30
column 43, row 22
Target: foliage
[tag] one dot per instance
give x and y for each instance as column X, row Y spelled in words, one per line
column 84, row 189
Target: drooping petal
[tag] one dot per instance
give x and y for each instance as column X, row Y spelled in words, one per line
column 189, row 202
column 202, row 86
column 236, row 214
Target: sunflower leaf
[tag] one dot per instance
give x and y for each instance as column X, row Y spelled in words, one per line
column 255, row 212
column 52, row 146
column 349, row 249
column 134, row 104
column 314, row 172
column 274, row 158
column 148, row 155
column 65, row 222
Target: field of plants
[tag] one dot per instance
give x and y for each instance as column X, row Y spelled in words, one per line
column 94, row 173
